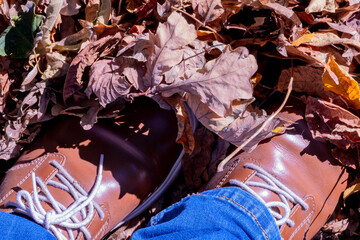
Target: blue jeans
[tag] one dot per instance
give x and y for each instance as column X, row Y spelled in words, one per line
column 224, row 213
column 19, row 228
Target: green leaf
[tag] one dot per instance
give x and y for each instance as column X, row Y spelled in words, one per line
column 18, row 38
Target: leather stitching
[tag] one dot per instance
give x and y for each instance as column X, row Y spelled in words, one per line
column 16, row 167
column 306, row 220
column 62, row 160
column 267, row 236
column 233, row 168
column 102, row 229
column 40, row 161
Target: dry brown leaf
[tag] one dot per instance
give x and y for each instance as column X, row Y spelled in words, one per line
column 347, row 157
column 336, row 225
column 321, row 39
column 209, row 118
column 306, row 79
column 70, row 7
column 338, row 81
column 91, row 9
column 185, row 131
column 346, row 29
column 237, row 127
column 57, row 65
column 209, row 10
column 193, row 58
column 283, row 11
column 167, row 47
column 4, row 89
column 133, row 5
column 106, row 80
column 85, row 58
column 220, row 81
column 9, row 148
column 316, row 56
column 321, row 5
column 245, row 126
column 329, row 122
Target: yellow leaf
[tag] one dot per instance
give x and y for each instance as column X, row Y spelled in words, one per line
column 256, row 79
column 303, row 39
column 354, row 187
column 337, row 80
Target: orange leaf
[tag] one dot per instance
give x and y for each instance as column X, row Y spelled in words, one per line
column 303, row 39
column 338, row 81
column 256, row 79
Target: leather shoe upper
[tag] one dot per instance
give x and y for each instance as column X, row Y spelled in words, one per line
column 139, row 152
column 303, row 165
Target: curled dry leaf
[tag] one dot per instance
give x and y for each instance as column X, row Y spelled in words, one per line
column 185, row 131
column 9, row 148
column 309, row 83
column 328, row 38
column 85, row 58
column 321, row 5
column 283, row 11
column 339, row 81
column 70, row 7
column 103, row 15
column 91, row 10
column 112, row 78
column 52, row 13
column 209, row 10
column 4, row 88
column 209, row 118
column 57, row 65
column 329, row 122
column 166, row 47
column 220, row 81
column 245, row 126
column 238, row 126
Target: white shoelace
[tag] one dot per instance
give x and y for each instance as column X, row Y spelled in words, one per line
column 274, row 185
column 60, row 217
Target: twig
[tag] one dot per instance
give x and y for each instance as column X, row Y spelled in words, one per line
column 208, row 12
column 37, row 63
column 231, row 155
column 198, row 21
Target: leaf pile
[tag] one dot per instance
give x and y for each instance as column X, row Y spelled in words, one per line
column 212, row 60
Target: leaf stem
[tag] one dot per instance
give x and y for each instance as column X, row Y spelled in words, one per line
column 231, row 155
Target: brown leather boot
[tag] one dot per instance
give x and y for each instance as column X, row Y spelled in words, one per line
column 82, row 195
column 294, row 175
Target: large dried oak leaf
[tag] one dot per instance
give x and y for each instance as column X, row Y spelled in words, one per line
column 167, row 51
column 220, row 81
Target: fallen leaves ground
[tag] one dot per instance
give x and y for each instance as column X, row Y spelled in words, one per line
column 217, row 58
